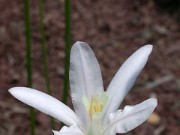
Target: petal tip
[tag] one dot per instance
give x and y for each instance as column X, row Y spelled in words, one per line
column 145, row 50
column 55, row 132
column 17, row 91
column 79, row 43
column 153, row 102
column 13, row 90
column 149, row 47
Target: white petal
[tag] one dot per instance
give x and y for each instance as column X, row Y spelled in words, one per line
column 55, row 132
column 72, row 130
column 125, row 78
column 85, row 76
column 45, row 103
column 131, row 117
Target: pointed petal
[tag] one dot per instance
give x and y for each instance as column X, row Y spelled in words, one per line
column 45, row 103
column 85, row 76
column 125, row 78
column 130, row 117
column 72, row 130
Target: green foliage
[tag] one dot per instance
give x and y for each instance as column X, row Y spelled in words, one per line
column 67, row 48
column 44, row 51
column 28, row 57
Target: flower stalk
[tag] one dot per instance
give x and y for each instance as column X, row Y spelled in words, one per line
column 67, row 48
column 44, row 51
column 28, row 57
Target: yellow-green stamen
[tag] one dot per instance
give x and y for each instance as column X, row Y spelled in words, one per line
column 95, row 104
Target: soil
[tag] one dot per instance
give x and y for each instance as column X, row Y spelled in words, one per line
column 114, row 29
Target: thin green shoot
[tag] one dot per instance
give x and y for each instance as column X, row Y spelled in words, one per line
column 44, row 51
column 67, row 48
column 28, row 57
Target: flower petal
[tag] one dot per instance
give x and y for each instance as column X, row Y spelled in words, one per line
column 130, row 117
column 125, row 78
column 85, row 76
column 45, row 103
column 72, row 130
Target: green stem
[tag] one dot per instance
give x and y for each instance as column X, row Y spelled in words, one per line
column 28, row 57
column 67, row 48
column 44, row 51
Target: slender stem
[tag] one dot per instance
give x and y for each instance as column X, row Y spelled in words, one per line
column 44, row 51
column 28, row 57
column 67, row 48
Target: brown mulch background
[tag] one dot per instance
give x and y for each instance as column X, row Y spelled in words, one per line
column 114, row 29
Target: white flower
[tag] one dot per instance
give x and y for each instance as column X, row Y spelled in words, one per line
column 96, row 111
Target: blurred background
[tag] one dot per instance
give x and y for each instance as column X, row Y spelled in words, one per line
column 114, row 29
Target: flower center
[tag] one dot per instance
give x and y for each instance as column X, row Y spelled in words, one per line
column 95, row 104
